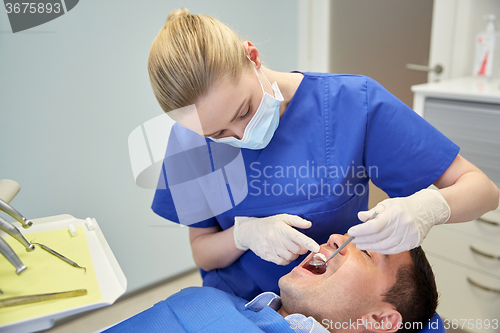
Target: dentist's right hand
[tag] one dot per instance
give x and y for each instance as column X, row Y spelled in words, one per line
column 273, row 238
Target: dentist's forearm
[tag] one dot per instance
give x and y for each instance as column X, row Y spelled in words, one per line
column 472, row 195
column 213, row 248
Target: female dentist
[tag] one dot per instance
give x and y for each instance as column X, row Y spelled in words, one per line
column 310, row 143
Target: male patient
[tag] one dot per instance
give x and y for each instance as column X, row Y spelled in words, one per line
column 360, row 291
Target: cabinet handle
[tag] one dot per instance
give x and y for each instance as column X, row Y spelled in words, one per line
column 438, row 69
column 482, row 219
column 480, row 286
column 484, row 254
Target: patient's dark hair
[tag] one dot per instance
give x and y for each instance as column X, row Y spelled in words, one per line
column 414, row 295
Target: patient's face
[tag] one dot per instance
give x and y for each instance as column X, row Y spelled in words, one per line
column 352, row 285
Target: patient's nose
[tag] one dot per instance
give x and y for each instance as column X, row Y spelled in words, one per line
column 336, row 240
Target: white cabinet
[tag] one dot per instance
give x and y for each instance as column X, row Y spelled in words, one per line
column 467, row 270
column 466, row 256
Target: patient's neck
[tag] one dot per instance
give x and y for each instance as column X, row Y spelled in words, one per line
column 283, row 312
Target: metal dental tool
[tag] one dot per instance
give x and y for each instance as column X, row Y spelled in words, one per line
column 8, row 190
column 21, row 300
column 16, row 234
column 7, row 251
column 319, row 261
column 60, row 256
column 15, row 214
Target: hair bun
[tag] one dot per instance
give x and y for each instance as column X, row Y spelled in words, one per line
column 176, row 13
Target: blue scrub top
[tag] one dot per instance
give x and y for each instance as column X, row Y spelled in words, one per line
column 337, row 132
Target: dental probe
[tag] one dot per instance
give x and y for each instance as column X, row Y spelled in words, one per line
column 318, row 261
column 60, row 256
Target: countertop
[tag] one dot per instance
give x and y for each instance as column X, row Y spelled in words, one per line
column 466, row 88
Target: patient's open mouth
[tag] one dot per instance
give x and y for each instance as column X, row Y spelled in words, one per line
column 318, row 270
column 315, row 269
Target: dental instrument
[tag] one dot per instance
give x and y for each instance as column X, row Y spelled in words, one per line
column 7, row 251
column 16, row 234
column 319, row 261
column 60, row 256
column 318, row 258
column 8, row 190
column 21, row 300
column 15, row 214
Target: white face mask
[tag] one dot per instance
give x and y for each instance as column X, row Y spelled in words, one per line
column 263, row 124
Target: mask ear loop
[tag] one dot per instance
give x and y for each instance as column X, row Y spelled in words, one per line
column 266, row 78
column 253, row 66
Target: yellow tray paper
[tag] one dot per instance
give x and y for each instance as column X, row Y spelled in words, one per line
column 48, row 274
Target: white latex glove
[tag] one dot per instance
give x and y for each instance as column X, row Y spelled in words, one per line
column 402, row 223
column 272, row 238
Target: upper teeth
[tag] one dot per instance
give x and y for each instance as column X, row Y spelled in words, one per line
column 318, row 256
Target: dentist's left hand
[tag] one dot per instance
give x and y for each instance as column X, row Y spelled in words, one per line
column 273, row 238
column 401, row 223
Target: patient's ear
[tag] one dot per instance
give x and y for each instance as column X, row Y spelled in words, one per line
column 384, row 320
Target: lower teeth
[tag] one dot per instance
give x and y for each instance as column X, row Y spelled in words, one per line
column 320, row 269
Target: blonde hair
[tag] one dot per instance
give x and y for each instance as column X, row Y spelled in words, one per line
column 191, row 54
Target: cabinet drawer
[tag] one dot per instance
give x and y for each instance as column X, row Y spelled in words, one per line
column 465, row 250
column 459, row 299
column 487, row 227
column 473, row 126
